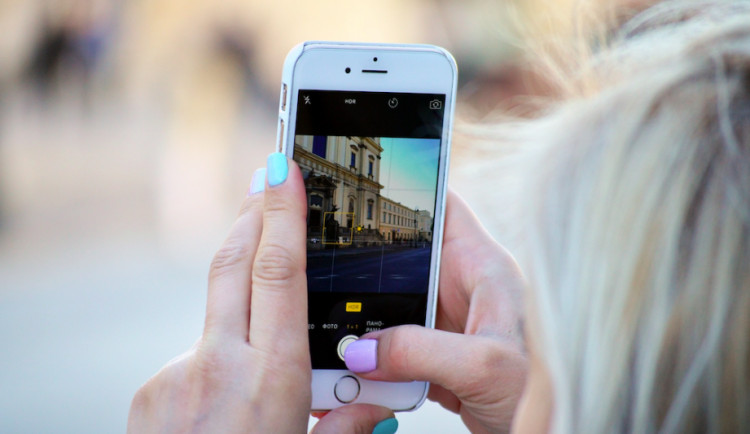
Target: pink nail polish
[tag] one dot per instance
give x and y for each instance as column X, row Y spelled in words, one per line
column 362, row 355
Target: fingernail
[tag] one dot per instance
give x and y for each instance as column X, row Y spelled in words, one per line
column 388, row 426
column 278, row 169
column 258, row 183
column 362, row 355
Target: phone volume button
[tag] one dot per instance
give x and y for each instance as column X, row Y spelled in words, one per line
column 281, row 136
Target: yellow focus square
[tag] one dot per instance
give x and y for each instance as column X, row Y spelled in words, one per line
column 354, row 307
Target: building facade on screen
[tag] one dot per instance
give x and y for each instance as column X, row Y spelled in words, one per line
column 343, row 185
column 424, row 225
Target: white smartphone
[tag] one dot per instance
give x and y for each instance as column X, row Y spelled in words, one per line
column 370, row 127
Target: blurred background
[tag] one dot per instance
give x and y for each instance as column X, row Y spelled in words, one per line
column 129, row 131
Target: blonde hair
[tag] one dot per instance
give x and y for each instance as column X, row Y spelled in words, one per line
column 633, row 216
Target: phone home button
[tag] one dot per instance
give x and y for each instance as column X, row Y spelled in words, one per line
column 346, row 389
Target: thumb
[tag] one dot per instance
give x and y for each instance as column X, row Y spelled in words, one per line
column 357, row 419
column 463, row 364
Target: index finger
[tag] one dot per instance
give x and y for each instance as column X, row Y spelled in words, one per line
column 228, row 301
column 481, row 281
column 278, row 321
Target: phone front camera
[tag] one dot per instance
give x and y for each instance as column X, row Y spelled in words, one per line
column 348, row 70
column 374, row 59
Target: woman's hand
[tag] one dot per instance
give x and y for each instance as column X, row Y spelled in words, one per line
column 250, row 371
column 477, row 361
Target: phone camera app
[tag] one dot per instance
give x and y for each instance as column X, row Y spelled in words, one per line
column 371, row 205
column 370, row 212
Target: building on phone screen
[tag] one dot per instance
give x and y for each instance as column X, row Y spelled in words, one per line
column 345, row 204
column 398, row 222
column 424, row 225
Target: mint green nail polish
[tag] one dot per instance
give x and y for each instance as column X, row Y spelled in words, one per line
column 278, row 169
column 388, row 426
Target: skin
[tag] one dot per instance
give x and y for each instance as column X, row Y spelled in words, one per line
column 476, row 361
column 534, row 411
column 250, row 370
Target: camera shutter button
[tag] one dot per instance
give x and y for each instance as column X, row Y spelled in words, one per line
column 343, row 343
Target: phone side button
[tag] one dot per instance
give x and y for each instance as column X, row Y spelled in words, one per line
column 281, row 135
column 283, row 96
column 346, row 389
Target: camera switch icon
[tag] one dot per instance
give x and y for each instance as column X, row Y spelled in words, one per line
column 436, row 104
column 393, row 103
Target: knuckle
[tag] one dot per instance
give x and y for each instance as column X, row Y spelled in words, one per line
column 486, row 365
column 491, row 358
column 142, row 398
column 228, row 257
column 209, row 362
column 399, row 351
column 253, row 204
column 163, row 383
column 295, row 372
column 280, row 205
column 285, row 209
column 214, row 368
column 275, row 262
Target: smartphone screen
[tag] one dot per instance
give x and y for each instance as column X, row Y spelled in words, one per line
column 370, row 162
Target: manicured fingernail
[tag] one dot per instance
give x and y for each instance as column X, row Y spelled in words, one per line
column 278, row 169
column 388, row 426
column 258, row 183
column 362, row 355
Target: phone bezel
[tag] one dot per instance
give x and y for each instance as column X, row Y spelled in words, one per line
column 410, row 69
